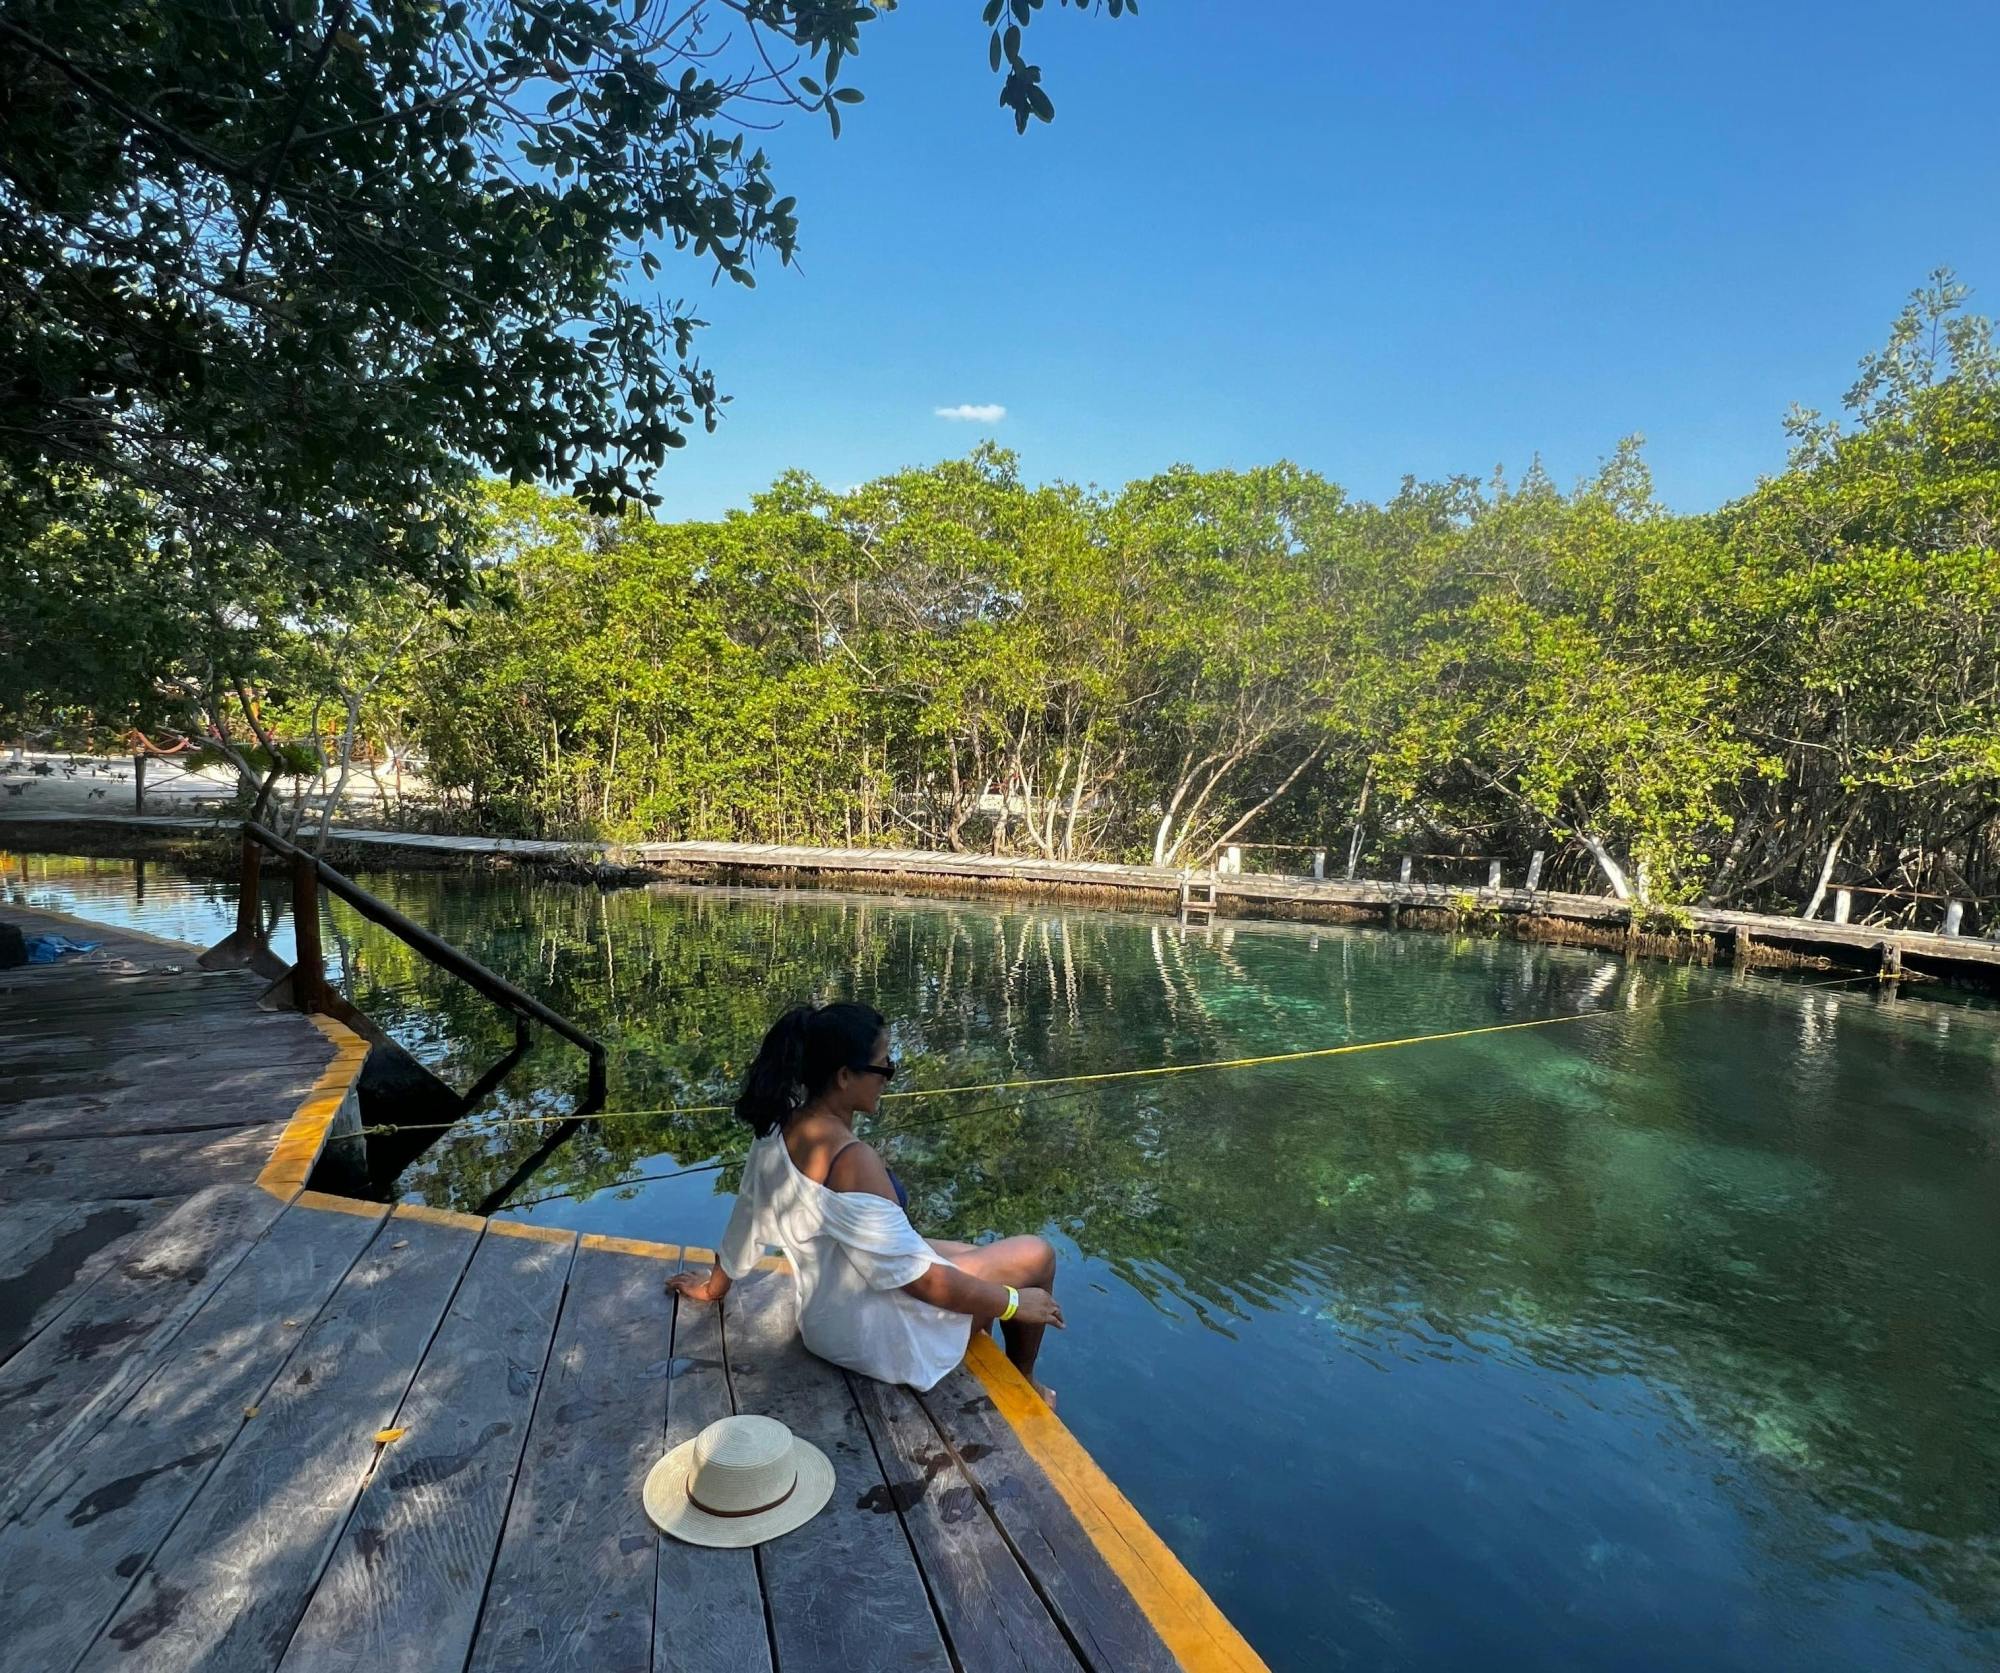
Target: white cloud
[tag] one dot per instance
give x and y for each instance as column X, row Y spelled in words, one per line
column 974, row 412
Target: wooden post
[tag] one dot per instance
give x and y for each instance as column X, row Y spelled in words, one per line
column 1534, row 871
column 250, row 875
column 1843, row 905
column 138, row 784
column 1319, row 864
column 1404, row 875
column 309, row 968
column 1954, row 916
column 1889, row 961
column 245, row 947
column 1740, row 947
column 1493, row 874
column 1233, row 861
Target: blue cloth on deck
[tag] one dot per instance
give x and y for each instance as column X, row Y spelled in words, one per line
column 46, row 949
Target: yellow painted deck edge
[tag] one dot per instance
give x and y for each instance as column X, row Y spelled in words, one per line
column 341, row 1205
column 631, row 1246
column 1197, row 1633
column 438, row 1216
column 298, row 1147
column 522, row 1228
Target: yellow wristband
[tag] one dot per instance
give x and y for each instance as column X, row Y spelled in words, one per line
column 1013, row 1301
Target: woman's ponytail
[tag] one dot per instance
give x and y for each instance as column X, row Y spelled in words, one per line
column 772, row 1087
column 800, row 1057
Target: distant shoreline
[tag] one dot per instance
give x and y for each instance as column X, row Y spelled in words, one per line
column 207, row 847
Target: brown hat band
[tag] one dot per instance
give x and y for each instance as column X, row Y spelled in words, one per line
column 754, row 1510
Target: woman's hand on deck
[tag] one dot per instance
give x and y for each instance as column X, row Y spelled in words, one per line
column 713, row 1287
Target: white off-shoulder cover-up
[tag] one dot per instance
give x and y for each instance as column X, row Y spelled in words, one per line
column 851, row 1254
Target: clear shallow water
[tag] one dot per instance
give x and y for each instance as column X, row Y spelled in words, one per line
column 1666, row 1338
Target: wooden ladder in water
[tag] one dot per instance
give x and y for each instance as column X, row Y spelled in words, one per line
column 1197, row 897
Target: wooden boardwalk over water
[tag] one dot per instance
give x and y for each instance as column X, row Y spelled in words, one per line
column 247, row 1425
column 1968, row 958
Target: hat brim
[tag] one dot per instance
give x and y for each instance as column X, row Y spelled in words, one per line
column 670, row 1510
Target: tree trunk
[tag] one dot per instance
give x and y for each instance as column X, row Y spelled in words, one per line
column 1284, row 784
column 1222, row 767
column 611, row 771
column 1173, row 806
column 1720, row 884
column 1614, row 873
column 1360, row 818
column 1826, row 866
column 1075, row 801
column 340, row 783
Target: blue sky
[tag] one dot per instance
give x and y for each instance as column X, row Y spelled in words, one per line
column 1373, row 239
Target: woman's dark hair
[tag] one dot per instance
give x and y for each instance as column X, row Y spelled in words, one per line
column 805, row 1049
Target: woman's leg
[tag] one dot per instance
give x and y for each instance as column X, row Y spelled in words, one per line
column 1026, row 1263
column 950, row 1248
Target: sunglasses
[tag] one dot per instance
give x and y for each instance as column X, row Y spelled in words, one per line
column 886, row 1070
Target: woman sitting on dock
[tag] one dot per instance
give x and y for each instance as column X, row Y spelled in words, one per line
column 873, row 1295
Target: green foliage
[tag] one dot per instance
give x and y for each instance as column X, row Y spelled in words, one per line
column 1672, row 707
column 1734, row 707
column 351, row 242
column 279, row 283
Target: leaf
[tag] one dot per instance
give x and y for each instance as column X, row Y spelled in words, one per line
column 251, row 1411
column 387, row 1437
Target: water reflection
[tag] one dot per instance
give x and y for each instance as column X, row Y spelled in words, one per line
column 1561, row 1316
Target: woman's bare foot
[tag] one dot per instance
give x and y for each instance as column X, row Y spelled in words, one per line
column 1047, row 1393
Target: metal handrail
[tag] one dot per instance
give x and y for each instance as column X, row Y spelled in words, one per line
column 308, row 972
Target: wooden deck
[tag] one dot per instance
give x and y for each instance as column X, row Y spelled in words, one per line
column 247, row 1425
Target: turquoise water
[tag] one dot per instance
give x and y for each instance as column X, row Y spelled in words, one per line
column 1669, row 1337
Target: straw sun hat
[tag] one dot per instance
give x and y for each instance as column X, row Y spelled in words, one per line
column 741, row 1481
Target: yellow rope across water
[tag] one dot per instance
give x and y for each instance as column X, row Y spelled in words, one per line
column 1106, row 1076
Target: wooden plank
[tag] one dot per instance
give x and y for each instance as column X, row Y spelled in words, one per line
column 220, row 1091
column 41, row 987
column 73, row 1552
column 818, row 1620
column 152, row 1165
column 59, row 1389
column 991, row 1614
column 157, row 1004
column 152, row 1046
column 51, row 1252
column 1095, row 1607
column 404, row 1588
column 708, row 1615
column 225, row 1590
column 573, row 1584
